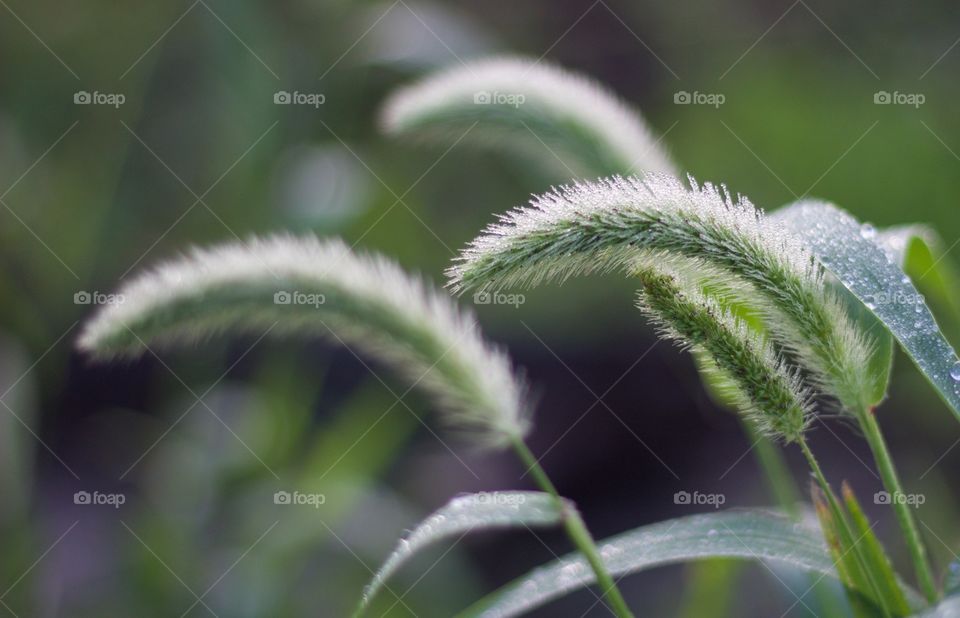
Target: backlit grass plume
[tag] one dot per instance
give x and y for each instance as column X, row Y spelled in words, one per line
column 767, row 392
column 604, row 226
column 295, row 286
column 533, row 107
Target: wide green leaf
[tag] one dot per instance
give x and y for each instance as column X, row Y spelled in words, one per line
column 752, row 535
column 851, row 252
column 919, row 251
column 464, row 514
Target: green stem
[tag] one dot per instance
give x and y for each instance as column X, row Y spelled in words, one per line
column 577, row 531
column 891, row 482
column 782, row 485
column 843, row 526
column 775, row 471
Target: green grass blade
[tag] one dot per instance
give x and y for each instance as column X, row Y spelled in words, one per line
column 464, row 514
column 845, row 557
column 711, row 589
column 850, row 251
column 751, row 535
column 919, row 251
column 876, row 557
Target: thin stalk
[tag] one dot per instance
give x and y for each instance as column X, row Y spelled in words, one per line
column 778, row 478
column 842, row 523
column 891, row 482
column 784, row 488
column 577, row 531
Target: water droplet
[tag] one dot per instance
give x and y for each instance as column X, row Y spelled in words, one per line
column 955, row 372
column 870, row 306
column 868, row 231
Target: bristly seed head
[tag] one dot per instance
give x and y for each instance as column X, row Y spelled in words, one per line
column 526, row 103
column 767, row 392
column 288, row 285
column 608, row 225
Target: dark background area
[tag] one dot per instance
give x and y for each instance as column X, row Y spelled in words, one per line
column 199, row 153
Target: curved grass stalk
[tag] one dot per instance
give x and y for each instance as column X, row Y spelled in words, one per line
column 287, row 285
column 531, row 106
column 617, row 223
column 577, row 531
column 606, row 225
column 295, row 286
column 769, row 395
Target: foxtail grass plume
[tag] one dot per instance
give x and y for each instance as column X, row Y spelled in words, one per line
column 766, row 391
column 295, row 286
column 606, row 225
column 542, row 110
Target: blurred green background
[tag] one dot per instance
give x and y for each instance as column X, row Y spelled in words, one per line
column 198, row 152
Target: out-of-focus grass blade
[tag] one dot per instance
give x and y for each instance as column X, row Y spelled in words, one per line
column 545, row 113
column 950, row 608
column 711, row 589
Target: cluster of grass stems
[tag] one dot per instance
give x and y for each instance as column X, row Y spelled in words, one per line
column 714, row 275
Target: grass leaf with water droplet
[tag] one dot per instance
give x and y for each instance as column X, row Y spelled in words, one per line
column 749, row 535
column 920, row 252
column 850, row 251
column 465, row 514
